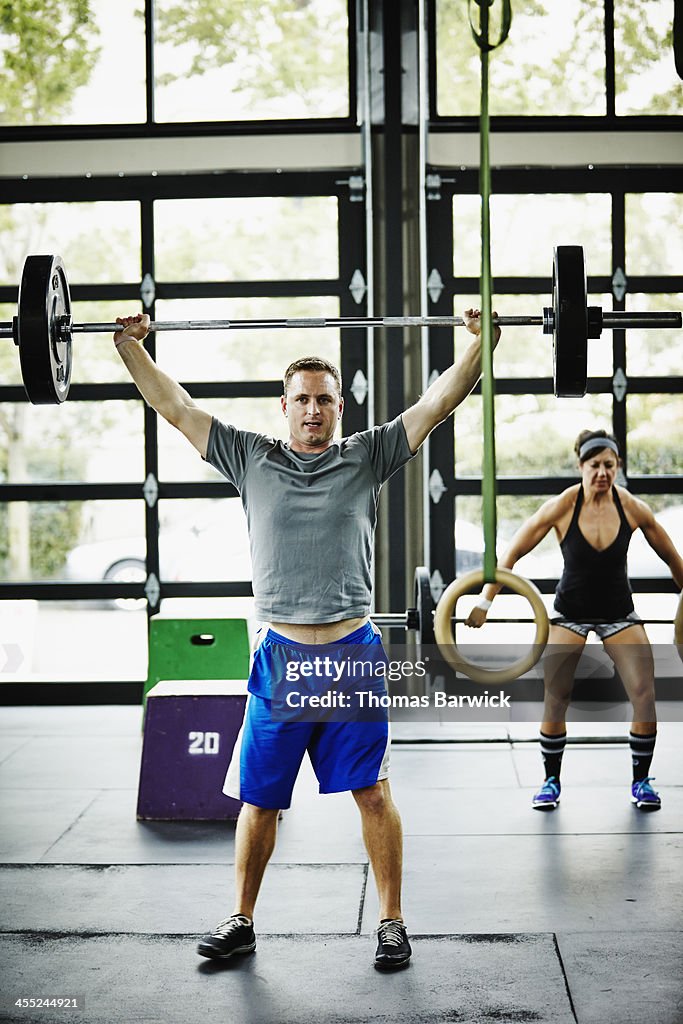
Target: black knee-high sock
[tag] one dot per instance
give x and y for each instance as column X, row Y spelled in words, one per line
column 642, row 751
column 552, row 749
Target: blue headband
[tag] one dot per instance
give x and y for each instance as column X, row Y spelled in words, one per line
column 597, row 442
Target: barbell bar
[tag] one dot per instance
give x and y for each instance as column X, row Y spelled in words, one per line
column 43, row 328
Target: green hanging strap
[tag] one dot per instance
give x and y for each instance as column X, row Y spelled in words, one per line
column 482, row 38
column 488, row 487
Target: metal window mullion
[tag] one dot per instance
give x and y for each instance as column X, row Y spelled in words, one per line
column 423, row 140
column 610, row 73
column 393, row 261
column 364, row 112
column 432, row 66
column 442, row 513
column 352, row 59
column 353, row 345
column 150, row 417
column 619, row 409
column 149, row 63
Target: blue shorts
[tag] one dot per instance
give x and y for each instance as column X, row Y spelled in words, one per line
column 345, row 755
column 603, row 630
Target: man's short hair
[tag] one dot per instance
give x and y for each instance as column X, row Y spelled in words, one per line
column 316, row 364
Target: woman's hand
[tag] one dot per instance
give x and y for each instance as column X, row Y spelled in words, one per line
column 477, row 617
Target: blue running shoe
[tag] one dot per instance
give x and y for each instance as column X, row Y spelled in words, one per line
column 644, row 796
column 548, row 796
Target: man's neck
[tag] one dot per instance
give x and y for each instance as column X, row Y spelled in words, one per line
column 312, row 449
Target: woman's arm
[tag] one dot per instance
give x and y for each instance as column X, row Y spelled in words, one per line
column 658, row 539
column 529, row 535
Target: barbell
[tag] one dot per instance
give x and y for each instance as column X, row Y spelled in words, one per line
column 43, row 329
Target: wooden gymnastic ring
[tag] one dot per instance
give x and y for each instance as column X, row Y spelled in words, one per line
column 678, row 625
column 446, row 639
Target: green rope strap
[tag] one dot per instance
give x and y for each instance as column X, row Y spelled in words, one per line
column 488, row 487
column 482, row 38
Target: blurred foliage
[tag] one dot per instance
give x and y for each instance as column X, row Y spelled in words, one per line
column 280, row 48
column 48, row 53
column 54, row 530
column 545, row 68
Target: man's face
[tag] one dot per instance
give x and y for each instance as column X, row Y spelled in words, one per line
column 599, row 471
column 312, row 406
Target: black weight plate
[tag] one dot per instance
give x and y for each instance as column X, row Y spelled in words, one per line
column 44, row 352
column 570, row 310
column 424, row 602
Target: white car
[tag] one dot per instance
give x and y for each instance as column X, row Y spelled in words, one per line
column 213, row 545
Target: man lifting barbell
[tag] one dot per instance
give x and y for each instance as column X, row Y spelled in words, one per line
column 311, row 509
column 593, row 522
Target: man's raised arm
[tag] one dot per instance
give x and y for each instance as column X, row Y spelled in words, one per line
column 158, row 389
column 450, row 389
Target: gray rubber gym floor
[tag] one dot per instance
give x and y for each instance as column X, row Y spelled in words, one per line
column 515, row 915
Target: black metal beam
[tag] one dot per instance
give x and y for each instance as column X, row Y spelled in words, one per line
column 552, row 180
column 537, row 485
column 62, row 490
column 57, row 590
column 393, row 260
column 234, row 184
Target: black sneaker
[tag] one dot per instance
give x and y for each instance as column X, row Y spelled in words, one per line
column 393, row 949
column 233, row 935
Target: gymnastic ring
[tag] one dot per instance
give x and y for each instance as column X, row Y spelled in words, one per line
column 678, row 626
column 446, row 639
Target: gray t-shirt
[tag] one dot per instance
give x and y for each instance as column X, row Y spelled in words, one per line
column 311, row 517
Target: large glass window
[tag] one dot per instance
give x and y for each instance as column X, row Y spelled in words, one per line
column 283, row 246
column 84, row 61
column 525, row 228
column 646, row 79
column 257, row 238
column 203, row 540
column 99, row 242
column 70, row 540
column 655, row 434
column 226, row 61
column 654, row 353
column 234, row 355
column 57, row 641
column 527, row 351
column 534, row 433
column 552, row 63
column 72, row 62
column 87, row 442
column 653, row 238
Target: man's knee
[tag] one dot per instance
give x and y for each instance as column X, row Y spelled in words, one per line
column 374, row 799
column 259, row 815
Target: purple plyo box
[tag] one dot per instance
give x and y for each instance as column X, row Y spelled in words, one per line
column 190, row 731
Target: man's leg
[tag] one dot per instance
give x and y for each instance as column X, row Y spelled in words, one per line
column 383, row 837
column 254, row 845
column 264, row 765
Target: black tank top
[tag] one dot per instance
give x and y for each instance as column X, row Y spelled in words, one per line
column 594, row 584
